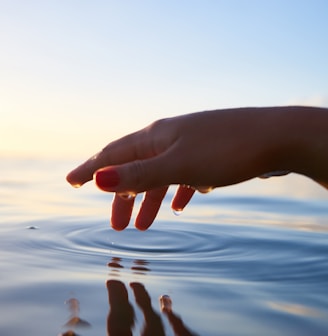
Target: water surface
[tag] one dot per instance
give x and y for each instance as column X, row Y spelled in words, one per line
column 251, row 259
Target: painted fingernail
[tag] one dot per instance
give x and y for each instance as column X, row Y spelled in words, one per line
column 107, row 179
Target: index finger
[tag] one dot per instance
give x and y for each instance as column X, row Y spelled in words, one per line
column 129, row 148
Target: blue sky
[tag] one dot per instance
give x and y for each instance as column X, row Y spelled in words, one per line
column 75, row 75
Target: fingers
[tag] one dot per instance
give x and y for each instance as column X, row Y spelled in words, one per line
column 141, row 295
column 140, row 145
column 117, row 292
column 120, row 151
column 150, row 207
column 120, row 310
column 182, row 197
column 153, row 323
column 122, row 208
column 138, row 176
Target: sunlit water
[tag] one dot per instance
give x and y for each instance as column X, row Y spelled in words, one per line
column 251, row 259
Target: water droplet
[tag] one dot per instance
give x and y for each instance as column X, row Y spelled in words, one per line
column 128, row 195
column 275, row 173
column 204, row 190
column 177, row 212
column 76, row 185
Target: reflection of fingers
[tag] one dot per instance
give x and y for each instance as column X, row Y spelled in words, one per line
column 182, row 197
column 141, row 295
column 121, row 211
column 178, row 325
column 149, row 207
column 121, row 316
column 165, row 303
column 153, row 323
column 117, row 292
column 175, row 321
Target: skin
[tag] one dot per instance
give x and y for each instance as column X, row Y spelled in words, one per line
column 206, row 150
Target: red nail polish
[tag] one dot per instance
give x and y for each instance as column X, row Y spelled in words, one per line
column 107, row 179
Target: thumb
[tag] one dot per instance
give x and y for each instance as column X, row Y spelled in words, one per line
column 136, row 176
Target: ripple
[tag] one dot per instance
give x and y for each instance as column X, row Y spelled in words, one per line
column 154, row 244
column 165, row 242
column 243, row 253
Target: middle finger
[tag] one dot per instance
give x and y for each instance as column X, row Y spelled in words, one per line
column 122, row 207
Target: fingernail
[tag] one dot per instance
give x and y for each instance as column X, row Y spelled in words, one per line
column 107, row 179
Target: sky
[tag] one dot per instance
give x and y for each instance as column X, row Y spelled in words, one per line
column 77, row 74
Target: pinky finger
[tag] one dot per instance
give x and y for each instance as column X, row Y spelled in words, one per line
column 182, row 197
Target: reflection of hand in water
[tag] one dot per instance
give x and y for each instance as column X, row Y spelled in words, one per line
column 139, row 265
column 153, row 323
column 75, row 321
column 121, row 316
column 175, row 321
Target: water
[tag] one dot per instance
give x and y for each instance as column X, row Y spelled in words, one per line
column 251, row 259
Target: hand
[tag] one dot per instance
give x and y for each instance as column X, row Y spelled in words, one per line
column 202, row 151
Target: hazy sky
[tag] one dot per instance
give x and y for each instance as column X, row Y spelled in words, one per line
column 76, row 74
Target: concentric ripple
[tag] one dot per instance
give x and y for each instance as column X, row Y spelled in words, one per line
column 96, row 239
column 185, row 248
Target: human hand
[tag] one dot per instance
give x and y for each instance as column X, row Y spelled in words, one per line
column 198, row 151
column 203, row 150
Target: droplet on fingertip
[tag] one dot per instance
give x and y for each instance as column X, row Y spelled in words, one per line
column 128, row 195
column 274, row 173
column 70, row 180
column 177, row 212
column 76, row 185
column 204, row 190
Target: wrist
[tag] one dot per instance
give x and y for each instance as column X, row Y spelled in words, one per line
column 301, row 139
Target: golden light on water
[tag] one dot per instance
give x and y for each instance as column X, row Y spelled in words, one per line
column 295, row 309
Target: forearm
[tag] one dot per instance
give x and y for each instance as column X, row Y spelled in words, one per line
column 302, row 141
column 314, row 132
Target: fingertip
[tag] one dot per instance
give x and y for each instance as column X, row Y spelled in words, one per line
column 144, row 220
column 118, row 229
column 133, row 284
column 182, row 197
column 70, row 178
column 118, row 226
column 142, row 227
column 79, row 176
column 121, row 212
column 119, row 222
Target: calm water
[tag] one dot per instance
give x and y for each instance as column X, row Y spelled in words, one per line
column 251, row 259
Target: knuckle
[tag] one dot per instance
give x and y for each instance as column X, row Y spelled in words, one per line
column 138, row 171
column 161, row 135
column 157, row 125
